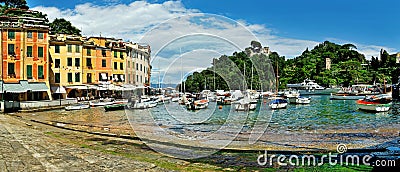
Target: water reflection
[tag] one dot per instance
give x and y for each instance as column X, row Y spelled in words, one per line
column 322, row 113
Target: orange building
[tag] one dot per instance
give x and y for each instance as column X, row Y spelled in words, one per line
column 24, row 47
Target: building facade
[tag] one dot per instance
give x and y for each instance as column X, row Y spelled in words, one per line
column 96, row 67
column 24, row 46
column 66, row 65
column 141, row 64
column 37, row 65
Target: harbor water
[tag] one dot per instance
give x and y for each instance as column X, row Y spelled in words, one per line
column 321, row 114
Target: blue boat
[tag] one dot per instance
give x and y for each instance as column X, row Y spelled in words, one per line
column 278, row 103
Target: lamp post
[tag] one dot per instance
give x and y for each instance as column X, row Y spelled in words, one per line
column 59, row 82
column 87, row 92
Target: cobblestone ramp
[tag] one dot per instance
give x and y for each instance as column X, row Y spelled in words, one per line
column 25, row 149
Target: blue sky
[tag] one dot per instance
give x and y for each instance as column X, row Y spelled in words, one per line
column 286, row 26
column 363, row 21
column 367, row 22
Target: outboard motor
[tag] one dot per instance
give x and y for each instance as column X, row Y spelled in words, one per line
column 396, row 91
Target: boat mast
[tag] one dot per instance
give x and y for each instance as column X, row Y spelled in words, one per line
column 244, row 75
column 214, row 72
column 159, row 74
column 277, row 75
column 180, row 56
column 205, row 83
column 251, row 84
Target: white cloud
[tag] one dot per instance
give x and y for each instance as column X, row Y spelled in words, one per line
column 171, row 29
column 174, row 69
column 119, row 20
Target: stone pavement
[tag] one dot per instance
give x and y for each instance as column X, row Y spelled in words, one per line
column 24, row 148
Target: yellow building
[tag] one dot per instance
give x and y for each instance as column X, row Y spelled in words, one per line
column 96, row 66
column 118, row 51
column 66, row 67
column 89, row 62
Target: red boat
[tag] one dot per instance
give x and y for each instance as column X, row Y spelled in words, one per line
column 379, row 103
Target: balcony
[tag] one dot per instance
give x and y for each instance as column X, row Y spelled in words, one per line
column 11, row 75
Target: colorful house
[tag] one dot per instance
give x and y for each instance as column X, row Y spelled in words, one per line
column 140, row 64
column 24, row 45
column 66, row 65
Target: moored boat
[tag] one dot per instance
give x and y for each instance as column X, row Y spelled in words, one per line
column 309, row 87
column 246, row 105
column 102, row 102
column 175, row 99
column 346, row 96
column 118, row 106
column 77, row 107
column 197, row 104
column 291, row 93
column 355, row 92
column 380, row 103
column 300, row 100
column 278, row 103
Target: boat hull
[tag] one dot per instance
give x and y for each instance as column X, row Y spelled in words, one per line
column 327, row 91
column 344, row 97
column 278, row 105
column 299, row 100
column 374, row 107
column 100, row 103
column 196, row 105
column 79, row 107
column 245, row 107
column 114, row 107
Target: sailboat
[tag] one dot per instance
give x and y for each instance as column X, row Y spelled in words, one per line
column 277, row 102
column 247, row 103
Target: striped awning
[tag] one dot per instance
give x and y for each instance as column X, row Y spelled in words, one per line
column 78, row 87
column 14, row 88
column 22, row 87
column 58, row 89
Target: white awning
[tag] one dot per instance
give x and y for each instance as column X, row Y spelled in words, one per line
column 58, row 89
column 104, row 76
column 111, row 87
column 129, row 87
column 119, row 88
column 79, row 87
column 93, row 87
column 102, row 88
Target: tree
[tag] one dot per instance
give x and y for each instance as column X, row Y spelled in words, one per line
column 255, row 44
column 63, row 26
column 15, row 3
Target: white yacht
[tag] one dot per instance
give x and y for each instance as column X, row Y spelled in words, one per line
column 310, row 87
